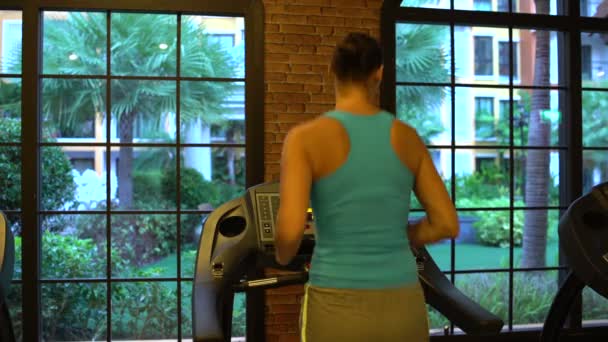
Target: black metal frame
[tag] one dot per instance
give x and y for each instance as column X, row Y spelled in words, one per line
column 31, row 75
column 571, row 25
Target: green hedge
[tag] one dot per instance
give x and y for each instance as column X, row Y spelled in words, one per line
column 72, row 311
column 57, row 183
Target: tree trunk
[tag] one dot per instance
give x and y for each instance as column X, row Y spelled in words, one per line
column 537, row 163
column 125, row 164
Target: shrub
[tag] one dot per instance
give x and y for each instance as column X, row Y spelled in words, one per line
column 73, row 311
column 57, row 183
column 138, row 239
column 194, row 191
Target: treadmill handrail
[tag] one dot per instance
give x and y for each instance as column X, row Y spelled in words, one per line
column 441, row 294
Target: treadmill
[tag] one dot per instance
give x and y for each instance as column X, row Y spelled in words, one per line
column 7, row 263
column 583, row 235
column 238, row 237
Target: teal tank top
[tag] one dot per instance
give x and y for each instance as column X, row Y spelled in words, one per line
column 361, row 212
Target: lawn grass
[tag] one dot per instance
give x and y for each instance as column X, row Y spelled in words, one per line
column 475, row 256
column 468, row 256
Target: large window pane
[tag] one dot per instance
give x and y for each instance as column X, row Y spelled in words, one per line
column 477, row 57
column 212, row 112
column 213, row 46
column 10, row 176
column 73, row 246
column 481, row 117
column 73, row 110
column 144, row 311
column 11, row 29
column 542, row 238
column 484, row 240
column 490, row 290
column 445, row 4
column 58, row 187
column 211, row 176
column 595, row 307
column 74, row 312
column 144, row 178
column 423, row 53
column 533, row 294
column 531, row 7
column 595, row 168
column 14, row 224
column 74, row 178
column 14, row 301
column 143, row 111
column 428, row 110
column 10, row 110
column 594, row 59
column 192, row 227
column 74, row 43
column 537, row 177
column 537, row 117
column 482, row 178
column 538, row 47
column 483, row 5
column 442, row 159
column 593, row 8
column 144, row 44
column 144, row 246
column 437, row 322
column 238, row 312
column 595, row 118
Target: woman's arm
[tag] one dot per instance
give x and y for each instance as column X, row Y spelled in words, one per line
column 441, row 220
column 296, row 180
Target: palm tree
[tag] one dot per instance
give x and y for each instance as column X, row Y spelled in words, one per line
column 537, row 163
column 421, row 58
column 141, row 45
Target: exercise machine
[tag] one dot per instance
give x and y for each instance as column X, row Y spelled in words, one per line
column 583, row 235
column 238, row 237
column 7, row 262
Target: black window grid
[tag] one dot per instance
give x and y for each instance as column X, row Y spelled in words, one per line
column 30, row 212
column 569, row 82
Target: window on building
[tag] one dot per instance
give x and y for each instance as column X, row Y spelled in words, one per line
column 483, row 56
column 226, row 41
column 484, row 118
column 585, row 8
column 503, row 5
column 503, row 59
column 482, row 5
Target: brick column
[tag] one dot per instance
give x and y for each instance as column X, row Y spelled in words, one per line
column 300, row 36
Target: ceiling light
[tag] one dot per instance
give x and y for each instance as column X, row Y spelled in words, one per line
column 163, row 46
column 73, row 56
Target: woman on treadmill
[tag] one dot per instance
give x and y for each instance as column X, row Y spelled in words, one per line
column 357, row 165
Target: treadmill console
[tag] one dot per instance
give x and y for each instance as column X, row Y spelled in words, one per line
column 265, row 203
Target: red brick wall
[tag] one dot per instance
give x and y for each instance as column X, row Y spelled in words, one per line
column 300, row 36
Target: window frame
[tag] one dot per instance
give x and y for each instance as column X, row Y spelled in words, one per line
column 567, row 21
column 253, row 13
column 486, row 61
